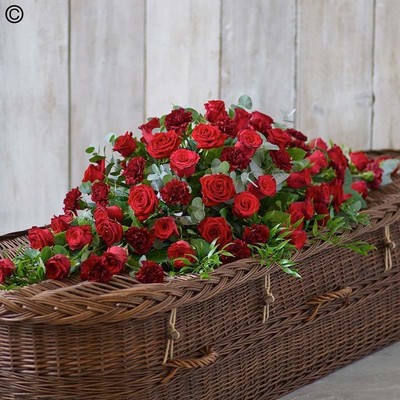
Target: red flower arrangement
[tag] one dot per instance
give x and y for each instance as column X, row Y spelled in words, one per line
column 196, row 192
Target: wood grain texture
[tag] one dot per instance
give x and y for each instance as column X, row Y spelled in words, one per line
column 334, row 76
column 258, row 54
column 386, row 127
column 107, row 73
column 182, row 53
column 33, row 113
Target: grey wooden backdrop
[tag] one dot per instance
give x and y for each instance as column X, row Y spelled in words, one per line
column 74, row 70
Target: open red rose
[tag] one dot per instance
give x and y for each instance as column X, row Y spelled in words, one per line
column 360, row 187
column 261, row 122
column 279, row 137
column 143, row 201
column 212, row 228
column 150, row 272
column 248, row 141
column 79, row 236
column 119, row 252
column 208, row 136
column 6, row 268
column 181, row 249
column 298, row 238
column 125, row 144
column 147, row 129
column 298, row 180
column 256, row 233
column 71, row 201
column 245, row 205
column 216, row 189
column 215, row 111
column 95, row 172
column 176, row 193
column 58, row 267
column 110, row 231
column 183, row 162
column 95, row 269
column 134, row 170
column 61, row 223
column 264, row 186
column 301, row 210
column 318, row 162
column 40, row 237
column 319, row 193
column 164, row 228
column 140, row 239
column 163, row 144
column 100, row 192
column 178, row 120
column 112, row 262
column 281, row 159
column 360, row 160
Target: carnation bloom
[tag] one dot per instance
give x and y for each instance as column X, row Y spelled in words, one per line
column 140, row 239
column 178, row 120
column 256, row 233
column 239, row 249
column 134, row 170
column 150, row 272
column 175, row 193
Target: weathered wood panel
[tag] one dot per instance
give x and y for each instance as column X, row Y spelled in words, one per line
column 182, row 53
column 258, row 54
column 386, row 127
column 33, row 113
column 107, row 73
column 334, row 76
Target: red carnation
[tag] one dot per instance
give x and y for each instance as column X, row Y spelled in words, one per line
column 164, row 228
column 100, row 192
column 61, row 223
column 140, row 239
column 248, row 141
column 256, row 233
column 208, row 136
column 6, row 269
column 212, row 228
column 71, row 201
column 79, row 236
column 237, row 158
column 134, row 171
column 58, row 267
column 183, row 162
column 178, row 120
column 125, row 144
column 175, row 193
column 245, row 205
column 227, row 126
column 216, row 189
column 95, row 172
column 94, row 269
column 143, row 201
column 298, row 180
column 150, row 272
column 239, row 249
column 215, row 111
column 109, row 230
column 374, row 167
column 147, row 129
column 318, row 162
column 360, row 187
column 264, row 186
column 261, row 122
column 319, row 193
column 163, row 144
column 40, row 237
column 296, row 134
column 181, row 249
column 281, row 159
column 360, row 160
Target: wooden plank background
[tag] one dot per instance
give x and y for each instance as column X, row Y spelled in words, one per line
column 73, row 71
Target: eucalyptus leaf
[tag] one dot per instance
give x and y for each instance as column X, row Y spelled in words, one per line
column 245, row 102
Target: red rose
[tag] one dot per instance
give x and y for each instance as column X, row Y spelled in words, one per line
column 6, row 269
column 374, row 167
column 318, row 143
column 110, row 231
column 215, row 111
column 112, row 262
column 178, row 120
column 248, row 141
column 100, row 213
column 40, row 237
column 125, row 144
column 245, row 205
column 319, row 194
column 322, row 209
column 208, row 136
column 216, row 189
column 261, row 122
column 300, row 145
column 175, row 193
column 301, row 210
column 241, row 119
column 115, row 212
column 163, row 144
column 279, row 137
column 296, row 134
column 338, row 160
column 212, row 228
column 61, row 223
column 298, row 238
column 256, row 233
column 100, row 192
column 164, row 228
column 298, row 180
column 150, row 272
column 140, row 239
column 239, row 249
column 95, row 172
column 94, row 269
column 339, row 197
column 58, row 267
column 143, row 201
column 264, row 186
column 360, row 160
column 318, row 162
column 147, row 129
column 71, row 201
column 183, row 162
column 181, row 249
column 79, row 236
column 134, row 171
column 360, row 187
column 281, row 159
column 237, row 158
column 119, row 252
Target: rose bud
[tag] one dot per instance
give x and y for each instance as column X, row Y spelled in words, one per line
column 181, row 249
column 6, row 269
column 119, row 252
column 125, row 144
column 58, row 267
column 360, row 187
column 95, row 172
column 115, row 212
column 359, row 159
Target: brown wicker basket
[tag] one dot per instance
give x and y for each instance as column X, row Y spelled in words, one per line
column 246, row 333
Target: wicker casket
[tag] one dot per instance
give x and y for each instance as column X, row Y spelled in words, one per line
column 245, row 333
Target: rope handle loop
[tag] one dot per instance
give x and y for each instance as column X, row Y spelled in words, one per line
column 322, row 299
column 389, row 246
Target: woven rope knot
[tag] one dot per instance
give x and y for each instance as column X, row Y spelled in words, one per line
column 268, row 298
column 173, row 334
column 390, row 244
